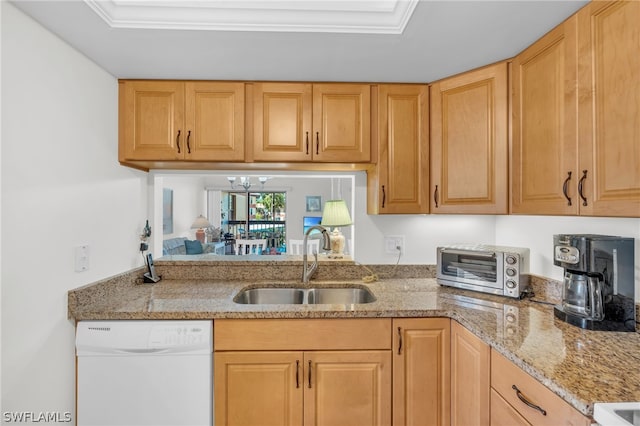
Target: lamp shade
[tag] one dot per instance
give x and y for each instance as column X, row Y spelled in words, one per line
column 200, row 222
column 335, row 213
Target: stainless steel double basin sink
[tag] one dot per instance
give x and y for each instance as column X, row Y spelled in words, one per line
column 302, row 295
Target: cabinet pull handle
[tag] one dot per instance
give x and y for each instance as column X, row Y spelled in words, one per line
column 564, row 188
column 582, row 179
column 178, row 141
column 399, row 341
column 307, row 143
column 435, row 196
column 309, row 374
column 522, row 398
column 317, row 143
column 384, row 196
column 188, row 144
column 297, row 373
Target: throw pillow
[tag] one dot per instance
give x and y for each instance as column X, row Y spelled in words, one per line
column 193, row 246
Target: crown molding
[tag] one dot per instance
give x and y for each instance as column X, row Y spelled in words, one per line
column 330, row 16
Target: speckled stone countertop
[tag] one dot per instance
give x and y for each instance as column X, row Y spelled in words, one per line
column 582, row 367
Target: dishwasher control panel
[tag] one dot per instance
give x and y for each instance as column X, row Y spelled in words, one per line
column 114, row 338
column 163, row 336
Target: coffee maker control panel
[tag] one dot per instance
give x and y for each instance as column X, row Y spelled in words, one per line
column 566, row 254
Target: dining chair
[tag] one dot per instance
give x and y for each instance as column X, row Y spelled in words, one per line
column 295, row 246
column 250, row 246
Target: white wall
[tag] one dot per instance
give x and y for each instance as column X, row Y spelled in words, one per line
column 62, row 186
column 423, row 233
column 536, row 232
column 189, row 201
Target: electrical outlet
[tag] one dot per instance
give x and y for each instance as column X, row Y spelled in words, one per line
column 392, row 243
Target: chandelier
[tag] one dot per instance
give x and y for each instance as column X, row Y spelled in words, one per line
column 245, row 182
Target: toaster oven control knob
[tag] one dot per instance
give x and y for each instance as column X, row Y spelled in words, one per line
column 511, row 284
column 511, row 260
column 511, row 272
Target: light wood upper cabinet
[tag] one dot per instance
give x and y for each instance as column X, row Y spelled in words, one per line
column 174, row 120
column 609, row 108
column 399, row 182
column 421, row 371
column 544, row 139
column 151, row 120
column 469, row 141
column 576, row 116
column 470, row 377
column 312, row 122
column 215, row 116
column 282, row 114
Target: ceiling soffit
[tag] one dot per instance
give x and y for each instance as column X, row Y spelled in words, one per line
column 329, row 16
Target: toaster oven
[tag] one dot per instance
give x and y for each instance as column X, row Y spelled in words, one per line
column 485, row 268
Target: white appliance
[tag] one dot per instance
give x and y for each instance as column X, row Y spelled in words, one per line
column 139, row 373
column 617, row 413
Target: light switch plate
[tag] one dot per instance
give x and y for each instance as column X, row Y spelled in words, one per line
column 81, row 258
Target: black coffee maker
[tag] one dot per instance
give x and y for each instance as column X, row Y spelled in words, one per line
column 598, row 291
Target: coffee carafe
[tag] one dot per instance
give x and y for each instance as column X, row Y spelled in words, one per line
column 598, row 291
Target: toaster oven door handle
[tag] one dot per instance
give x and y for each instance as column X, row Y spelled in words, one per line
column 487, row 254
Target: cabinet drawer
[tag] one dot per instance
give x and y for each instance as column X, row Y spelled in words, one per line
column 301, row 334
column 502, row 414
column 505, row 374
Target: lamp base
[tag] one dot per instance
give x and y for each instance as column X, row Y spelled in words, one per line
column 337, row 244
column 200, row 235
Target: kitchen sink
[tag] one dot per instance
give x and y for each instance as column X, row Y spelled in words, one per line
column 269, row 296
column 333, row 295
column 298, row 295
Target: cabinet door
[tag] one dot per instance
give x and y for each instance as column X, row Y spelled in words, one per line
column 421, row 372
column 214, row 121
column 544, row 139
column 282, row 122
column 503, row 414
column 258, row 388
column 470, row 367
column 469, row 138
column 609, row 84
column 151, row 123
column 403, row 148
column 341, row 123
column 347, row 388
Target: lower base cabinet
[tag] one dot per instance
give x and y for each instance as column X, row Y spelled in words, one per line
column 421, row 371
column 470, row 376
column 372, row 372
column 348, row 386
column 502, row 414
column 519, row 399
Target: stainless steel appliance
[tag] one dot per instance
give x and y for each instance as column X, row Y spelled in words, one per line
column 598, row 291
column 485, row 268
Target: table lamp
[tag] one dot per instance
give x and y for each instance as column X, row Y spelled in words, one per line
column 336, row 214
column 200, row 223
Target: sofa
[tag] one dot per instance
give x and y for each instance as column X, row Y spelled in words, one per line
column 178, row 245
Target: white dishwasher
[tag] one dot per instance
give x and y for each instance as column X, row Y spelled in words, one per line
column 138, row 373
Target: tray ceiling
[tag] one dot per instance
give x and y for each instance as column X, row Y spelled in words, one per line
column 351, row 40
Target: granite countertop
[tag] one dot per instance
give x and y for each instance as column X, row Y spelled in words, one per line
column 582, row 367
